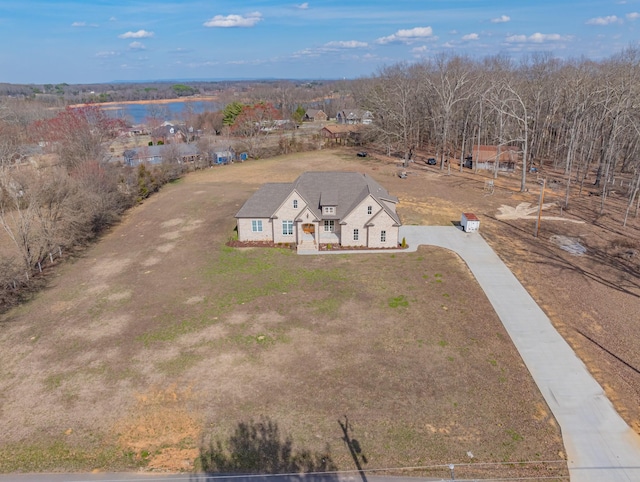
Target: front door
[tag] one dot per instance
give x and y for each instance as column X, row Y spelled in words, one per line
column 308, row 228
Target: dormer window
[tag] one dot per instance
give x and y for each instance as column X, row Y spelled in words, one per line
column 295, row 204
column 329, row 210
column 369, row 209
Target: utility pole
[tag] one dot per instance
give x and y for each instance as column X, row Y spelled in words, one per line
column 544, row 183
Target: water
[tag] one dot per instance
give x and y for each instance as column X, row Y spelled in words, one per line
column 170, row 111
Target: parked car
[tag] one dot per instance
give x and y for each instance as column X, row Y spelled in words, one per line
column 362, row 154
column 432, row 161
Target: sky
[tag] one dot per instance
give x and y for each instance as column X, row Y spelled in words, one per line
column 100, row 41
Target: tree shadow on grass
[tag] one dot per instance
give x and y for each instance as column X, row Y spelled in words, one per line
column 259, row 448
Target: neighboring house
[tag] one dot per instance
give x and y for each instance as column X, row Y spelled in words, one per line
column 341, row 134
column 485, row 157
column 157, row 154
column 137, row 130
column 223, row 156
column 339, row 208
column 354, row 116
column 169, row 133
column 315, row 115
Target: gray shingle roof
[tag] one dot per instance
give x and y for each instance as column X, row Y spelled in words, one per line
column 345, row 190
column 265, row 201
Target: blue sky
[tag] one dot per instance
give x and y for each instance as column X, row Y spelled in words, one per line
column 82, row 41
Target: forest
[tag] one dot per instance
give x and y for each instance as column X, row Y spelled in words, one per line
column 579, row 116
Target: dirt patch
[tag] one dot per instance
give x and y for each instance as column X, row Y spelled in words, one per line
column 160, row 432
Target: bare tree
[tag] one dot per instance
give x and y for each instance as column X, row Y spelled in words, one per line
column 394, row 99
column 450, row 79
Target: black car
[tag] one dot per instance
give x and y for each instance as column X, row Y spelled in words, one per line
column 362, row 154
column 432, row 161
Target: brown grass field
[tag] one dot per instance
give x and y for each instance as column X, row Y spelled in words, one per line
column 160, row 337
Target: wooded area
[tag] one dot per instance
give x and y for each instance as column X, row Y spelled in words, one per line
column 577, row 115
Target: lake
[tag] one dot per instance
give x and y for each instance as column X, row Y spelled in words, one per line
column 169, row 111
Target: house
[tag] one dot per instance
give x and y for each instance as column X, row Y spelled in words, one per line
column 342, row 134
column 158, row 154
column 322, row 208
column 485, row 158
column 223, row 156
column 315, row 115
column 354, row 116
column 168, row 133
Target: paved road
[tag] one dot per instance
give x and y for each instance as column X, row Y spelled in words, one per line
column 134, row 477
column 600, row 446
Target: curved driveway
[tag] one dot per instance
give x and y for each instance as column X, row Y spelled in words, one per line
column 600, row 446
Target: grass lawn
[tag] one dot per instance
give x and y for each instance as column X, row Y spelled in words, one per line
column 161, row 338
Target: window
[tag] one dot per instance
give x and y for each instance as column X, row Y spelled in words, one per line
column 256, row 225
column 369, row 209
column 295, row 204
column 287, row 228
column 383, row 236
column 329, row 210
column 356, row 234
column 329, row 225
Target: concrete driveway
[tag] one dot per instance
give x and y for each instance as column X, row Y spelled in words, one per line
column 600, row 445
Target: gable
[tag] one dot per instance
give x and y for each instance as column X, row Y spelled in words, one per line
column 286, row 209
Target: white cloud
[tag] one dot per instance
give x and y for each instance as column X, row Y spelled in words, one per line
column 180, row 51
column 419, row 50
column 112, row 19
column 603, row 20
column 137, row 46
column 228, row 21
column 83, row 24
column 501, row 19
column 138, row 34
column 303, row 6
column 346, row 44
column 536, row 38
column 408, row 36
column 107, row 53
column 516, row 39
column 471, row 36
column 539, row 38
column 633, row 16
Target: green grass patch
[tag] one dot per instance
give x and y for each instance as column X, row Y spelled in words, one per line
column 49, row 457
column 398, row 301
column 329, row 306
column 180, row 363
column 172, row 331
column 53, row 382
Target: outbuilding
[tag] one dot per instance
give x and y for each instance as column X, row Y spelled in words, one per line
column 469, row 222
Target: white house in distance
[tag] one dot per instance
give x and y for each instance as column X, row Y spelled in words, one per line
column 338, row 208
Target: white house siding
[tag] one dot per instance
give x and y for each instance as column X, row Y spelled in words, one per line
column 383, row 222
column 246, row 234
column 358, row 219
column 287, row 212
